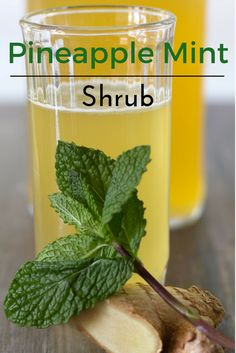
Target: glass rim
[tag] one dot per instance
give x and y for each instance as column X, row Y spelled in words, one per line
column 28, row 19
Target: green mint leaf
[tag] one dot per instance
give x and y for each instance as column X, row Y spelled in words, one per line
column 90, row 198
column 71, row 247
column 44, row 294
column 74, row 213
column 129, row 226
column 76, row 247
column 126, row 175
column 84, row 174
column 99, row 198
column 104, row 277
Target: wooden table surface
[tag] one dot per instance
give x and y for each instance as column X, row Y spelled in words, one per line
column 202, row 254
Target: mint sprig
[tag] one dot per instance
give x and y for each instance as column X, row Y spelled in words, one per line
column 75, row 272
column 98, row 196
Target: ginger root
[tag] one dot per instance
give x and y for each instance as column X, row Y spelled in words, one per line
column 137, row 320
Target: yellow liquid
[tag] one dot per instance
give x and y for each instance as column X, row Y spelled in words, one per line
column 187, row 174
column 112, row 132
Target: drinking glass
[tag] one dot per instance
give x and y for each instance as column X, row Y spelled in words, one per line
column 188, row 185
column 57, row 111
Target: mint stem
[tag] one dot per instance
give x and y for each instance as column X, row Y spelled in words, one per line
column 192, row 317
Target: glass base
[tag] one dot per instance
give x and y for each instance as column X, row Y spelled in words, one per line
column 30, row 209
column 180, row 222
column 163, row 277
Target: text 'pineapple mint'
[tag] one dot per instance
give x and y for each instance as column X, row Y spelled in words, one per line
column 185, row 53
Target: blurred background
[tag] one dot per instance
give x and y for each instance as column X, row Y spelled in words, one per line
column 220, row 22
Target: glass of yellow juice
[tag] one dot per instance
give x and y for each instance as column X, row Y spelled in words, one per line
column 187, row 163
column 60, row 109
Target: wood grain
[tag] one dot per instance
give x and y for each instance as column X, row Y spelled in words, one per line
column 202, row 254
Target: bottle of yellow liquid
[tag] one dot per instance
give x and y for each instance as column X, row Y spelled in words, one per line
column 187, row 165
